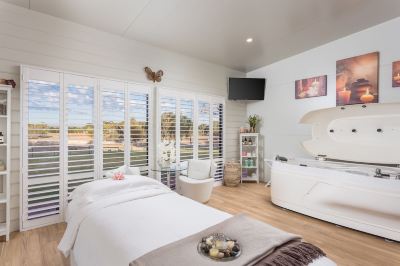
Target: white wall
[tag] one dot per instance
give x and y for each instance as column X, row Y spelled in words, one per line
column 31, row 38
column 281, row 112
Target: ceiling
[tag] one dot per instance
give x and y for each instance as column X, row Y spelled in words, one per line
column 216, row 30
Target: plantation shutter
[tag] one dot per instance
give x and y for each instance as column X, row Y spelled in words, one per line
column 186, row 151
column 195, row 126
column 218, row 138
column 168, row 132
column 42, row 159
column 113, row 124
column 203, row 129
column 139, row 118
column 73, row 128
column 80, row 121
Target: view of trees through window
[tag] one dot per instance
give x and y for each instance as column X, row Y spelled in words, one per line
column 43, row 129
column 80, row 138
column 43, row 151
column 186, row 130
column 204, row 130
column 139, row 129
column 113, row 116
column 217, row 117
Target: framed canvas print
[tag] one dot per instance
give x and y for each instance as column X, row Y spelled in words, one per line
column 357, row 79
column 396, row 74
column 311, row 87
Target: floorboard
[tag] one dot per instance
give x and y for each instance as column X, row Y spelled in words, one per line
column 343, row 245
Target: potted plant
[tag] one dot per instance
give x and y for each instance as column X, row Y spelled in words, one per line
column 253, row 121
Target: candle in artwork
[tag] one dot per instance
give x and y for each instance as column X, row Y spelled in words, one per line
column 344, row 96
column 367, row 97
column 397, row 78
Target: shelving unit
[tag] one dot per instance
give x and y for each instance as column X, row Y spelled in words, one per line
column 5, row 150
column 249, row 157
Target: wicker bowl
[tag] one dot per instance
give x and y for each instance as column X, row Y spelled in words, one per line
column 232, row 174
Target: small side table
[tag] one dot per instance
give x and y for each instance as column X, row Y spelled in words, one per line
column 168, row 171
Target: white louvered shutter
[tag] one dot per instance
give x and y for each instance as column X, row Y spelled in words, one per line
column 80, row 130
column 168, row 132
column 195, row 125
column 113, row 124
column 139, row 121
column 218, row 138
column 186, row 150
column 73, row 128
column 203, row 130
column 42, row 159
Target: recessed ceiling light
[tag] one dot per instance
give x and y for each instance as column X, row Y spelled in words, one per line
column 249, row 40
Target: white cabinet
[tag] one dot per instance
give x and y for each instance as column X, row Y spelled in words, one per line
column 5, row 136
column 249, row 157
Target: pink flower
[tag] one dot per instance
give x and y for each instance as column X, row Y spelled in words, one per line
column 119, row 176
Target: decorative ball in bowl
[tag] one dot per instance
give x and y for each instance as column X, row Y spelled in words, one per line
column 219, row 247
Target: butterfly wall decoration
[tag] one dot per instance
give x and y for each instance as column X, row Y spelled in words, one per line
column 153, row 76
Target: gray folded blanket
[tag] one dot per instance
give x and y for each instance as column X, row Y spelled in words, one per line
column 257, row 241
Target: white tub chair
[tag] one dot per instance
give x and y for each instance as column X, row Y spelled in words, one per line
column 198, row 182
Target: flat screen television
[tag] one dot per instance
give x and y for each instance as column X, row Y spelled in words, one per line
column 246, row 89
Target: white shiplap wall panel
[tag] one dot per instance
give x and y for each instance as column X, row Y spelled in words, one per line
column 32, row 38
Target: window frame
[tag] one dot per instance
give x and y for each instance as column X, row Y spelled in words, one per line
column 196, row 97
column 79, row 80
column 46, row 76
column 145, row 89
column 63, row 80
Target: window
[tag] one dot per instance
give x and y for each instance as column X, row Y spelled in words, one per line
column 168, row 120
column 113, row 116
column 167, row 145
column 42, row 158
column 76, row 127
column 80, row 122
column 193, row 126
column 139, row 130
column 186, row 130
column 73, row 128
column 204, row 130
column 218, row 138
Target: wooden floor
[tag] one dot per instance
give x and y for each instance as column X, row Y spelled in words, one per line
column 344, row 246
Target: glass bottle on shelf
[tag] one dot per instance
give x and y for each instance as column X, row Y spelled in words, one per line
column 250, row 141
column 244, row 173
column 245, row 141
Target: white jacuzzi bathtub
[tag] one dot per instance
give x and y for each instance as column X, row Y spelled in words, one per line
column 346, row 195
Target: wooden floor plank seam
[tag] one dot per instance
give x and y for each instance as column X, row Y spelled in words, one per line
column 343, row 245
